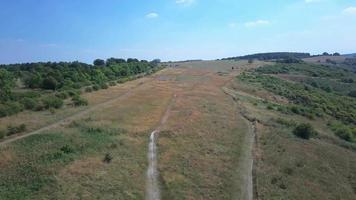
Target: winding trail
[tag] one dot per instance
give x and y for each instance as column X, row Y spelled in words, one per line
column 247, row 160
column 152, row 185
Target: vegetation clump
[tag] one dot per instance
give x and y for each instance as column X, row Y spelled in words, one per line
column 79, row 101
column 304, row 131
column 108, row 158
column 46, row 83
column 11, row 129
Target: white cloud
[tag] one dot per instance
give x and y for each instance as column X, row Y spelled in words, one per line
column 152, row 15
column 257, row 23
column 349, row 11
column 185, row 2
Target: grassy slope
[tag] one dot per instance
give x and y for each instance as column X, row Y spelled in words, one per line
column 40, row 166
column 291, row 168
column 198, row 150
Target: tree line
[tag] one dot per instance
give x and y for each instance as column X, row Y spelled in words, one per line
column 44, row 85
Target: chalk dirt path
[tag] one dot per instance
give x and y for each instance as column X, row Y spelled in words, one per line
column 152, row 187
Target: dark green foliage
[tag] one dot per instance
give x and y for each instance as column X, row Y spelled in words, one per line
column 104, row 86
column 107, row 158
column 67, row 149
column 67, row 78
column 79, row 101
column 304, row 131
column 352, row 93
column 10, row 108
column 2, row 134
column 29, row 103
column 272, row 56
column 11, row 130
column 73, row 93
column 88, row 89
column 6, row 84
column 99, row 62
column 62, row 95
column 345, row 132
column 96, row 87
column 52, row 102
column 50, row 83
column 307, row 102
column 112, row 83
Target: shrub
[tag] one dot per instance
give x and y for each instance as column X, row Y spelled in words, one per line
column 121, row 81
column 79, row 101
column 16, row 129
column 29, row 103
column 88, row 89
column 112, row 83
column 67, row 149
column 10, row 108
column 108, row 158
column 104, row 86
column 62, row 95
column 2, row 134
column 270, row 107
column 96, row 87
column 52, row 102
column 352, row 94
column 73, row 93
column 345, row 134
column 304, row 131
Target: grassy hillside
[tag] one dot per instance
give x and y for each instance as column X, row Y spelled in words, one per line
column 282, row 97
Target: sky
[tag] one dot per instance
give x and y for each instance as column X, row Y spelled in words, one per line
column 83, row 30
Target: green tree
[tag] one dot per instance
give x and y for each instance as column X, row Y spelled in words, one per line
column 50, row 83
column 7, row 82
column 99, row 62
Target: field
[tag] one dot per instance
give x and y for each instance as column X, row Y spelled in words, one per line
column 225, row 132
column 99, row 151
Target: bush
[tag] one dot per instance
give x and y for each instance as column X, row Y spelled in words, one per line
column 79, row 101
column 104, row 86
column 73, row 93
column 304, row 131
column 2, row 134
column 10, row 108
column 345, row 134
column 62, row 95
column 112, row 83
column 29, row 103
column 88, row 89
column 108, row 158
column 67, row 149
column 96, row 87
column 16, row 129
column 352, row 94
column 52, row 102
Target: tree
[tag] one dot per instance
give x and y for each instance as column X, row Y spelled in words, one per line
column 304, row 131
column 326, row 54
column 99, row 62
column 336, row 54
column 131, row 60
column 6, row 84
column 50, row 83
column 250, row 61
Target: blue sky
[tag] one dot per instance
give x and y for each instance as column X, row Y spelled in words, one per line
column 67, row 30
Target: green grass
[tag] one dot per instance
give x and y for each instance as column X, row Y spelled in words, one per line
column 35, row 171
column 289, row 167
column 306, row 100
